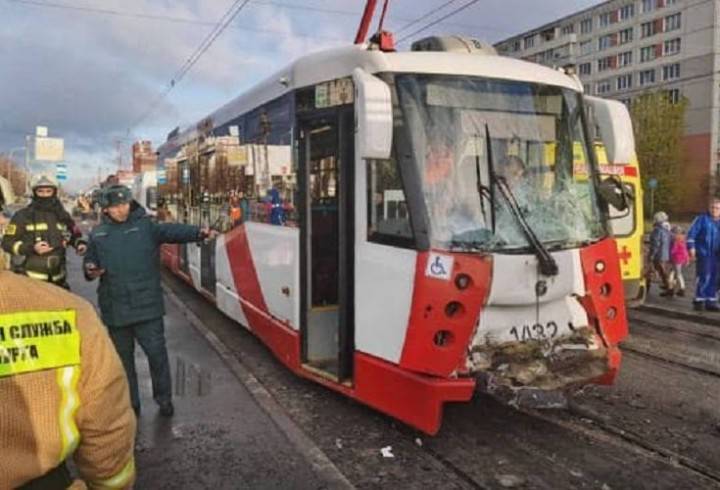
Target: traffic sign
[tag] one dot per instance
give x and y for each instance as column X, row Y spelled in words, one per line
column 652, row 183
column 161, row 176
column 61, row 172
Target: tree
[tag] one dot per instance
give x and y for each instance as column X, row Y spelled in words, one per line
column 659, row 126
column 16, row 172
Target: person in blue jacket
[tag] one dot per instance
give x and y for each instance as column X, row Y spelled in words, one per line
column 124, row 252
column 703, row 242
column 659, row 251
column 277, row 213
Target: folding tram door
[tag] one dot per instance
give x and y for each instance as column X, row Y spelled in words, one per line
column 325, row 150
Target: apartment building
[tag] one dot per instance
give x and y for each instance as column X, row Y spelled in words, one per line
column 622, row 48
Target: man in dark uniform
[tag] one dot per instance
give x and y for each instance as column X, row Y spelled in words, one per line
column 41, row 232
column 124, row 252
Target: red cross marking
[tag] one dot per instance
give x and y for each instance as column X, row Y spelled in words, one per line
column 624, row 255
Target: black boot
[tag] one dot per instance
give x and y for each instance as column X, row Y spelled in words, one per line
column 698, row 305
column 713, row 306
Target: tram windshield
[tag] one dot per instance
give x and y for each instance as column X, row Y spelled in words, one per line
column 537, row 145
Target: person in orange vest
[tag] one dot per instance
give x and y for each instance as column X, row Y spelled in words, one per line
column 63, row 390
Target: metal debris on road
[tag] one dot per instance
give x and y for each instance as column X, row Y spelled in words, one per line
column 510, row 481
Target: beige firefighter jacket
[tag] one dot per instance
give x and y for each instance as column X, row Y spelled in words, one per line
column 63, row 391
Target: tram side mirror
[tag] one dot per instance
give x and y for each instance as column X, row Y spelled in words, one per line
column 616, row 131
column 616, row 194
column 373, row 115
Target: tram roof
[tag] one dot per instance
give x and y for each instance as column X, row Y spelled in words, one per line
column 340, row 62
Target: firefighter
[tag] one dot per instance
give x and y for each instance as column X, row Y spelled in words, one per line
column 124, row 253
column 40, row 232
column 63, row 392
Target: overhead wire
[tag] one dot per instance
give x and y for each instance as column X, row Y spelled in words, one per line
column 165, row 18
column 224, row 21
column 437, row 21
column 425, row 16
column 183, row 20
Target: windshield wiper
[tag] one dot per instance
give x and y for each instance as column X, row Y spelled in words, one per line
column 484, row 192
column 548, row 266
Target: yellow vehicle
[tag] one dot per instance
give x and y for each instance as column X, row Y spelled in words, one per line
column 627, row 226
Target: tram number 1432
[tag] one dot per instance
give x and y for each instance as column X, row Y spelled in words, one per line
column 537, row 331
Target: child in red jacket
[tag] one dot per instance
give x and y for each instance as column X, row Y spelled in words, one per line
column 679, row 258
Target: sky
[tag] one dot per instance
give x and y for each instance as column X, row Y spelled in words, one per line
column 93, row 71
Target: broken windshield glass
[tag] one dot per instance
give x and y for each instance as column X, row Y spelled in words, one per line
column 539, row 148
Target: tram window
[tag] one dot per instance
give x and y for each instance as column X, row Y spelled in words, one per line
column 388, row 215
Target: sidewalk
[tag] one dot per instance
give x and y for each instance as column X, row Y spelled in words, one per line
column 677, row 306
column 220, row 436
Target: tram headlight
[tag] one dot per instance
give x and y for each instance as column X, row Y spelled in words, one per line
column 463, row 281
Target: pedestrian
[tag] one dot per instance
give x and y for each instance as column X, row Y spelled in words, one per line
column 124, row 252
column 41, row 232
column 64, row 394
column 679, row 258
column 659, row 251
column 703, row 242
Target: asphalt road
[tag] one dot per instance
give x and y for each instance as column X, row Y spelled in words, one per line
column 656, row 428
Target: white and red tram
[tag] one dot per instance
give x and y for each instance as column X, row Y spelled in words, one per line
column 406, row 227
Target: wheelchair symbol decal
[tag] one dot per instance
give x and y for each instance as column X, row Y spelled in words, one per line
column 439, row 266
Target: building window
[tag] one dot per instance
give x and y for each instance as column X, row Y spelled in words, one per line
column 671, row 72
column 604, row 20
column 626, row 35
column 625, row 59
column 605, row 42
column 569, row 29
column 647, row 29
column 516, row 46
column 529, row 42
column 606, row 63
column 672, row 22
column 672, row 46
column 624, row 82
column 647, row 54
column 603, row 87
column 670, row 2
column 673, row 95
column 586, row 88
column 585, row 68
column 586, row 26
column 585, row 47
column 647, row 77
column 648, row 5
column 627, row 11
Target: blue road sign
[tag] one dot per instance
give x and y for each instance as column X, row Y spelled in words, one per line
column 61, row 172
column 161, row 176
column 652, row 183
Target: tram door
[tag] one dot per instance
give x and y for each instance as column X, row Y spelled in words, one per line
column 325, row 145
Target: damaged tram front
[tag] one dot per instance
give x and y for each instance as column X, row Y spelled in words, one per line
column 515, row 225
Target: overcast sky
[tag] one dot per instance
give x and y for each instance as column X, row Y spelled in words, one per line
column 89, row 70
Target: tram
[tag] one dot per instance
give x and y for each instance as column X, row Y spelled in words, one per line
column 407, row 228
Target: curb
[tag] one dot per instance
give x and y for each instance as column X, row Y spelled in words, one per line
column 713, row 321
column 319, row 461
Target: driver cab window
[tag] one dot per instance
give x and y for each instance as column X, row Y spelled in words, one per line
column 388, row 214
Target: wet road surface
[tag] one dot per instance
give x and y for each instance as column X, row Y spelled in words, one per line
column 219, row 437
column 606, row 442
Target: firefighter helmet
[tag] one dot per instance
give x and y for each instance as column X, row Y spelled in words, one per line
column 43, row 181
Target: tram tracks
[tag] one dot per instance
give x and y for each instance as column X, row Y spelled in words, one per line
column 599, row 428
column 675, row 342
